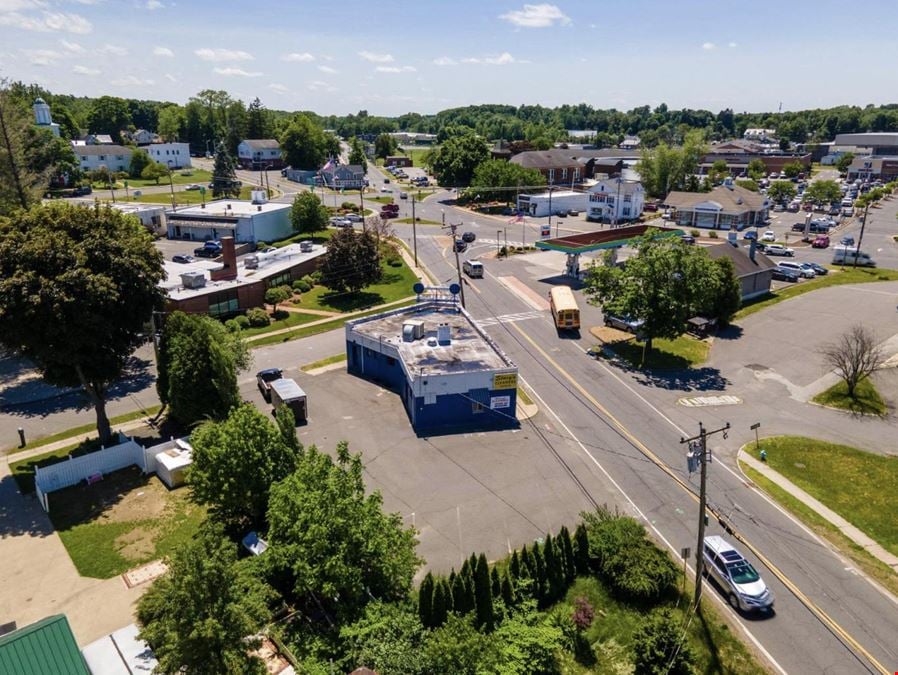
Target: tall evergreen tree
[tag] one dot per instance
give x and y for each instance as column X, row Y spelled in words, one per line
column 425, row 601
column 553, row 570
column 442, row 600
column 466, row 568
column 564, row 538
column 258, row 124
column 459, row 596
column 483, row 595
column 224, row 174
column 528, row 564
column 581, row 549
column 508, row 596
column 495, row 582
column 514, row 567
column 540, row 580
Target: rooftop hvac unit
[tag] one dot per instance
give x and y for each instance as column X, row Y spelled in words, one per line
column 412, row 330
column 259, row 197
column 251, row 262
column 443, row 334
column 193, row 279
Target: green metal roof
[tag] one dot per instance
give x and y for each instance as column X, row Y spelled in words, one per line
column 47, row 646
column 586, row 242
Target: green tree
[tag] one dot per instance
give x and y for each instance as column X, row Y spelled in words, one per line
column 756, row 169
column 659, row 647
column 748, row 184
column 172, row 120
column 276, row 295
column 718, row 171
column 387, row 639
column 331, row 544
column 351, row 262
column 224, row 174
column 455, row 161
column 109, row 115
column 198, row 364
column 663, row 285
column 235, row 464
column 303, row 143
column 824, row 191
column 508, row 595
column 460, row 595
column 495, row 582
column 567, row 548
column 78, row 285
column 498, row 173
column 723, row 291
column 258, row 120
column 140, row 159
column 357, row 153
column 581, row 549
column 844, row 161
column 553, row 570
column 514, row 565
column 385, row 146
column 483, row 595
column 20, row 186
column 308, row 214
column 540, row 577
column 792, row 169
column 50, row 158
column 664, row 168
column 199, row 617
column 525, row 644
column 442, row 602
column 286, row 423
column 782, row 191
column 458, row 648
column 154, row 171
column 425, row 601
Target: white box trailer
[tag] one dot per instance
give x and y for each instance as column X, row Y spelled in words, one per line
column 286, row 392
column 844, row 255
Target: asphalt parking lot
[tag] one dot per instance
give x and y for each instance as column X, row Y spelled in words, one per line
column 477, row 491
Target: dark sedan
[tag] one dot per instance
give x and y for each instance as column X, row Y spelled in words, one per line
column 780, row 274
column 468, row 237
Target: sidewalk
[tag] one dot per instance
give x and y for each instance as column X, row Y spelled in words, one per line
column 849, row 530
column 71, row 440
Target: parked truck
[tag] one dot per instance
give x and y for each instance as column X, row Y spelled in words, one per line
column 264, row 378
column 845, row 255
column 286, row 392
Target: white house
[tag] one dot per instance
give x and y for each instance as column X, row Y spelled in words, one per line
column 265, row 152
column 762, row 135
column 42, row 116
column 176, row 155
column 615, row 200
column 113, row 157
column 630, row 143
column 143, row 137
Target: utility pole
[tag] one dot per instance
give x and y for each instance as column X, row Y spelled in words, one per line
column 699, row 444
column 171, row 186
column 362, row 206
column 499, row 244
column 461, row 286
column 415, row 231
column 550, row 214
column 860, row 237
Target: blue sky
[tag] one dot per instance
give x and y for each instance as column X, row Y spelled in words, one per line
column 391, row 57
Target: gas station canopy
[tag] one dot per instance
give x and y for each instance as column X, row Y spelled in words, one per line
column 604, row 239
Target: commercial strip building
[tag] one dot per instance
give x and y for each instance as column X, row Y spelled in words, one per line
column 151, row 216
column 611, row 200
column 878, row 144
column 447, row 371
column 248, row 222
column 725, row 207
column 870, row 168
column 228, row 287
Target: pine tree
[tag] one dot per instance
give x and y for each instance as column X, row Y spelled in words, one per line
column 224, row 174
column 495, row 582
column 483, row 595
column 441, row 603
column 581, row 550
column 553, row 570
column 508, row 596
column 467, row 568
column 514, row 567
column 472, row 562
column 564, row 537
column 539, row 576
column 460, row 596
column 425, row 601
column 528, row 566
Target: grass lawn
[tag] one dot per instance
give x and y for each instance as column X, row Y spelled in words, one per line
column 185, row 197
column 292, row 319
column 836, row 277
column 860, row 486
column 125, row 520
column 683, row 352
column 421, row 221
column 86, row 429
column 321, row 363
column 396, row 283
column 198, row 176
column 381, row 200
column 866, row 400
column 320, row 237
column 417, row 154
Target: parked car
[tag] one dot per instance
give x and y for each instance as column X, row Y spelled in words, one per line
column 264, row 378
column 847, row 241
column 769, row 235
column 743, row 586
column 650, row 207
column 778, row 208
column 211, row 249
column 354, row 218
column 798, row 268
column 460, row 246
column 780, row 274
column 624, row 323
column 820, row 241
column 687, row 239
column 573, row 212
column 386, row 181
column 819, row 269
column 193, row 186
column 779, row 249
column 468, row 237
column 81, row 191
column 798, row 227
column 403, row 195
column 385, row 189
column 749, row 235
column 267, row 249
column 183, row 258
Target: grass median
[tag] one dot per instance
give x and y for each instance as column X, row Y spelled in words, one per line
column 866, row 399
column 682, row 352
column 838, row 276
column 321, row 363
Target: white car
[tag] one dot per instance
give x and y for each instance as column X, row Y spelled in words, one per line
column 744, row 587
column 801, row 269
column 385, row 189
column 778, row 249
column 768, row 236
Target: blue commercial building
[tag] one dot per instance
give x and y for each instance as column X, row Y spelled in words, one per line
column 448, row 372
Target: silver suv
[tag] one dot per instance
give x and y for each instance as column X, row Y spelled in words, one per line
column 744, row 587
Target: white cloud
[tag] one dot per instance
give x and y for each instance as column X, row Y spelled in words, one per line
column 732, row 44
column 444, row 61
column 207, row 54
column 41, row 57
column 298, row 57
column 318, row 85
column 7, row 6
column 395, row 69
column 162, row 51
column 72, row 47
column 537, row 16
column 327, row 69
column 280, row 88
column 131, row 81
column 170, row 77
column 154, row 4
column 48, row 22
column 84, row 70
column 114, row 50
column 502, row 59
column 708, row 46
column 237, row 71
column 374, row 57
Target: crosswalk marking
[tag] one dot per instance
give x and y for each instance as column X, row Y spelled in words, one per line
column 508, row 318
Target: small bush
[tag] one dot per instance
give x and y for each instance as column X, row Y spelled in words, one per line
column 261, row 244
column 659, row 648
column 301, row 286
column 349, row 206
column 242, row 321
column 258, row 317
column 316, row 276
column 280, row 315
column 309, row 280
column 695, row 233
column 712, row 234
column 232, row 325
column 394, row 262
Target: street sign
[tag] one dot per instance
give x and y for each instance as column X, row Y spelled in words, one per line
column 545, row 230
column 756, row 425
column 684, row 553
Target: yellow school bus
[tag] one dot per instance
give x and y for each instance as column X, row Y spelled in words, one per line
column 564, row 308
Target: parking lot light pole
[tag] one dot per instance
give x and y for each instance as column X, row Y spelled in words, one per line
column 860, row 237
column 171, row 186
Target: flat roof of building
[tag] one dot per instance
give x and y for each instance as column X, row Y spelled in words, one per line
column 595, row 241
column 270, row 264
column 469, row 348
column 226, row 208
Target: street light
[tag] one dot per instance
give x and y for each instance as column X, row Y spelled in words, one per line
column 171, row 186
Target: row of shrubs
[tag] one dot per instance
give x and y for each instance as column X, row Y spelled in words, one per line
column 259, row 318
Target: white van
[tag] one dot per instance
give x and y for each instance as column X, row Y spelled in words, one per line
column 473, row 268
column 844, row 255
